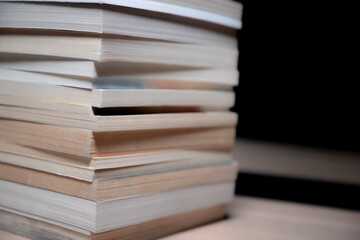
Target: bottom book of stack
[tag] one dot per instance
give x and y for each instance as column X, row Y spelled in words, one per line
column 136, row 202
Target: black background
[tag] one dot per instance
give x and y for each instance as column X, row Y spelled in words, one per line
column 297, row 75
column 299, row 69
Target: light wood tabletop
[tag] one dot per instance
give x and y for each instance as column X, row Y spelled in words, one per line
column 258, row 219
column 262, row 219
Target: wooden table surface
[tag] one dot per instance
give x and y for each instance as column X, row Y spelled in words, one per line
column 258, row 219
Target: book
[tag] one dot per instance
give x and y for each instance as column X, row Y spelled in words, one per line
column 88, row 169
column 76, row 213
column 226, row 13
column 36, row 229
column 106, row 98
column 120, row 119
column 89, row 74
column 116, row 50
column 82, row 142
column 121, row 185
column 111, row 20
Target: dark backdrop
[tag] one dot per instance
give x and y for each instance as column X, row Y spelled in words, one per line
column 297, row 78
column 298, row 73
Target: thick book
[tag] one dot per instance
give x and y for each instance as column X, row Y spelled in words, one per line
column 86, row 143
column 126, row 164
column 118, row 50
column 121, row 119
column 105, row 98
column 89, row 74
column 38, row 230
column 80, row 214
column 122, row 185
column 96, row 19
column 221, row 12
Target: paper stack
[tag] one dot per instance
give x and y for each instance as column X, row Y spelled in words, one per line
column 114, row 116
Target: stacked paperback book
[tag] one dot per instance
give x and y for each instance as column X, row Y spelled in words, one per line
column 114, row 116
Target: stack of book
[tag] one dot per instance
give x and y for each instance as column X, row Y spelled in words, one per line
column 114, row 116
